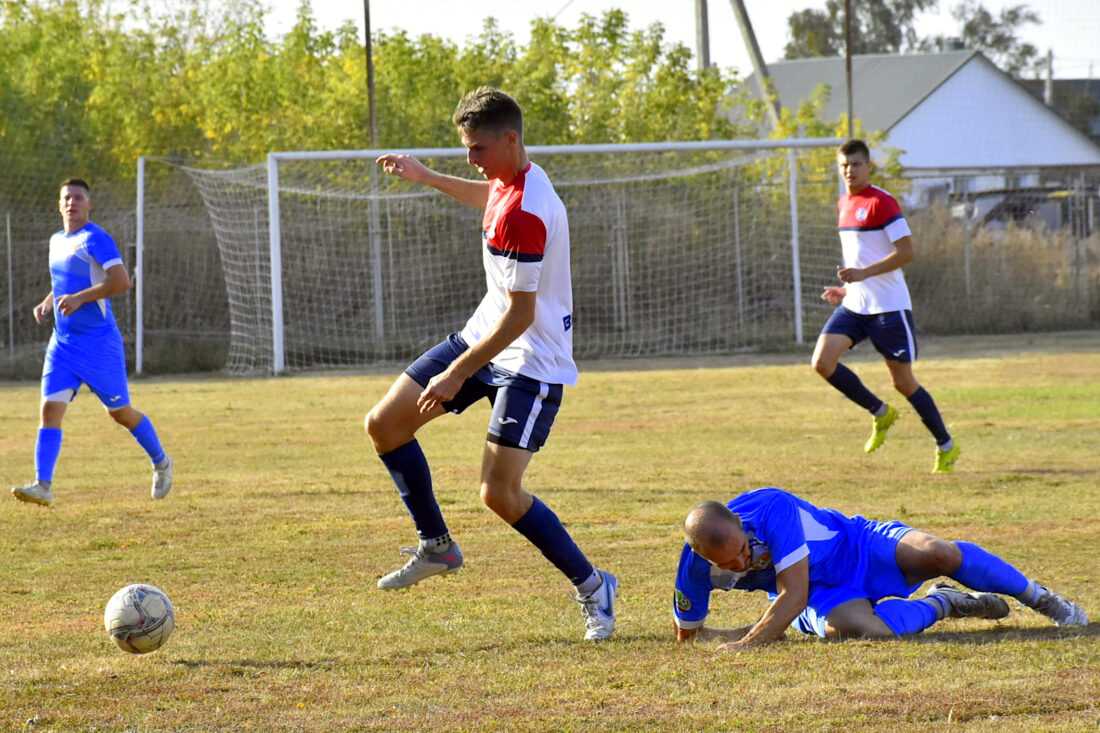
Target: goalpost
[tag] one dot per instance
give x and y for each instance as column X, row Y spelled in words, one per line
column 677, row 248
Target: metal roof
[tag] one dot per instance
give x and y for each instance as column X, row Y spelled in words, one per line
column 886, row 86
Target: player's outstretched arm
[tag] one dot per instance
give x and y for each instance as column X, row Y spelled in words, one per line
column 43, row 310
column 463, row 190
column 793, row 585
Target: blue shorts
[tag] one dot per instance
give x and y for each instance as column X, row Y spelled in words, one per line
column 98, row 362
column 893, row 334
column 523, row 408
column 877, row 575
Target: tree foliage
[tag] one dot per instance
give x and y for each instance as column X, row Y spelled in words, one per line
column 88, row 87
column 995, row 36
column 888, row 26
column 878, row 26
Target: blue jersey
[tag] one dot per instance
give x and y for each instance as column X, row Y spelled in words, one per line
column 77, row 262
column 782, row 529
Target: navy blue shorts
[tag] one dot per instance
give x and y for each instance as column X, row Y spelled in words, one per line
column 877, row 575
column 523, row 408
column 893, row 334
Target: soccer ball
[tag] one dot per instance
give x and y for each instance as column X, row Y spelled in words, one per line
column 139, row 618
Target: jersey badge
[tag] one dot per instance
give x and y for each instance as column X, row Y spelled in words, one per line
column 861, row 214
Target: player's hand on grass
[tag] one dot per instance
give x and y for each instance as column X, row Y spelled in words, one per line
column 67, row 304
column 441, row 388
column 850, row 274
column 403, row 166
column 833, row 294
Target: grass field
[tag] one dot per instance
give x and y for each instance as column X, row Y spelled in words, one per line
column 282, row 520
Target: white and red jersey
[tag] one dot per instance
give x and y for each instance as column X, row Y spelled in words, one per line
column 526, row 235
column 869, row 222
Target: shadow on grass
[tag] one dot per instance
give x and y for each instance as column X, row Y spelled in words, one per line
column 231, row 664
column 1009, row 633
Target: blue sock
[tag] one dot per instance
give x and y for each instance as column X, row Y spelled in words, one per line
column 409, row 469
column 925, row 406
column 544, row 530
column 146, row 436
column 910, row 617
column 985, row 572
column 46, row 450
column 847, row 382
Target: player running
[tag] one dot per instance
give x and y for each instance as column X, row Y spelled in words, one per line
column 516, row 350
column 86, row 346
column 837, row 576
column 874, row 303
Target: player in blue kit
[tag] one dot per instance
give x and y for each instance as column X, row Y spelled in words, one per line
column 86, row 347
column 838, row 576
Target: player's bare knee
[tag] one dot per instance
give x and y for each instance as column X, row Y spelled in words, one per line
column 823, row 366
column 946, row 556
column 380, row 428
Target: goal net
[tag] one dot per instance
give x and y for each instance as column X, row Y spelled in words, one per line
column 676, row 249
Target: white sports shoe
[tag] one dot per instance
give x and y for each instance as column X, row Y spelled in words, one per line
column 421, row 565
column 1062, row 611
column 162, row 479
column 34, row 493
column 598, row 608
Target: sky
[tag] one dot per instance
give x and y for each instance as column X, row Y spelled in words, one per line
column 1070, row 27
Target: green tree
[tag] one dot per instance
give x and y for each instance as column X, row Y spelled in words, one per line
column 878, row 26
column 997, row 36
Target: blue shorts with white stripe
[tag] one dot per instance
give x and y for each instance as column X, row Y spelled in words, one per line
column 893, row 333
column 523, row 408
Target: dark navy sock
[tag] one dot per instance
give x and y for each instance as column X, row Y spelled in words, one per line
column 544, row 530
column 409, row 469
column 46, row 450
column 923, row 403
column 985, row 572
column 909, row 617
column 848, row 383
column 146, row 436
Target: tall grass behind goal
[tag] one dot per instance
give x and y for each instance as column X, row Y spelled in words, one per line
column 677, row 248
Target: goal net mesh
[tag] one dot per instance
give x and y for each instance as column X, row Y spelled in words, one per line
column 673, row 252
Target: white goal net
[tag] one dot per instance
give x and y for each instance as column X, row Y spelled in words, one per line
column 689, row 248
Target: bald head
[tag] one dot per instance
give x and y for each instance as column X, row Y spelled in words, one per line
column 709, row 526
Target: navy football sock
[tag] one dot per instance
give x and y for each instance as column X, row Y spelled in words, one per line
column 925, row 406
column 409, row 469
column 46, row 450
column 985, row 572
column 845, row 380
column 544, row 530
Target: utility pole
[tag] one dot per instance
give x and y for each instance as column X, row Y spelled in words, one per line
column 848, row 65
column 1048, row 88
column 759, row 68
column 370, row 75
column 702, row 34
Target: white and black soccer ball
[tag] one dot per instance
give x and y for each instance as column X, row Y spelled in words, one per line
column 139, row 618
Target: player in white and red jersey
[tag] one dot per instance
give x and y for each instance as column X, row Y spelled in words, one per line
column 874, row 304
column 516, row 350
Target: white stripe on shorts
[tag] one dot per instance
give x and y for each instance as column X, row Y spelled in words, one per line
column 909, row 337
column 536, row 408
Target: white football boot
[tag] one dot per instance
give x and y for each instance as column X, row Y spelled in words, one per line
column 162, row 479
column 598, row 608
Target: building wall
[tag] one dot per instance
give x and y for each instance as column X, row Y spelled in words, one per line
column 980, row 118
